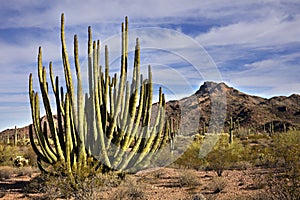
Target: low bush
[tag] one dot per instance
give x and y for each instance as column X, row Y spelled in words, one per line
column 188, row 179
column 190, row 158
column 217, row 185
column 129, row 190
column 224, row 155
column 7, row 153
column 61, row 186
column 283, row 155
column 6, row 172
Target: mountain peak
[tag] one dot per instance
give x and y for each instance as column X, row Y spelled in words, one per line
column 209, row 86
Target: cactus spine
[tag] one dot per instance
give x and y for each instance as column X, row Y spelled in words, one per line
column 110, row 124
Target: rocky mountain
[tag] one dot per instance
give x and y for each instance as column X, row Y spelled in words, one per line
column 215, row 103
column 210, row 108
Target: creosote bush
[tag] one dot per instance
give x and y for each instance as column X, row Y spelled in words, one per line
column 188, row 179
column 224, row 155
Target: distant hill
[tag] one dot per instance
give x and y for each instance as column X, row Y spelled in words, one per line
column 210, row 108
column 214, row 103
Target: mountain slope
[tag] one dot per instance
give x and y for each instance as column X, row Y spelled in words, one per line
column 215, row 103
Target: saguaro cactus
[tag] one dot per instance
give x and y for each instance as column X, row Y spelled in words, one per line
column 109, row 125
column 16, row 136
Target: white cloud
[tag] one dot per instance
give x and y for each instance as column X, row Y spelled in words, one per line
column 271, row 77
column 271, row 31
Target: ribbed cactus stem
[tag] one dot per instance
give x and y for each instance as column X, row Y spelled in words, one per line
column 111, row 122
column 80, row 108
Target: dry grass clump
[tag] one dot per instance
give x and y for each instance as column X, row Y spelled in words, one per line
column 6, row 172
column 188, row 179
column 217, row 185
column 130, row 190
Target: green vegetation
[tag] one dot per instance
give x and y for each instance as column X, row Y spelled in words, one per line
column 280, row 154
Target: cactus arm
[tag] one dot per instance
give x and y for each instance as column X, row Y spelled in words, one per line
column 107, row 83
column 66, row 63
column 68, row 149
column 122, row 81
column 149, row 98
column 123, row 118
column 45, row 152
column 47, row 106
column 60, row 114
column 134, row 134
column 80, row 108
column 153, row 141
column 98, row 112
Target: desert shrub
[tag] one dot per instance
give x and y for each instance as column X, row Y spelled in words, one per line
column 190, row 158
column 188, row 179
column 286, row 151
column 60, row 186
column 6, row 172
column 130, row 190
column 287, row 147
column 30, row 155
column 224, row 155
column 7, row 152
column 283, row 155
column 217, row 184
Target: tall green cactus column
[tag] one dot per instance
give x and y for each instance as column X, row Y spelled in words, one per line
column 231, row 124
column 110, row 125
column 16, row 136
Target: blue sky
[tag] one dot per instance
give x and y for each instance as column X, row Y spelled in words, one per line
column 251, row 45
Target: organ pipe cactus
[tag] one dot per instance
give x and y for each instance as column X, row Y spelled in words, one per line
column 110, row 125
column 172, row 130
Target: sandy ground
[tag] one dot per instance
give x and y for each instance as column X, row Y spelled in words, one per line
column 165, row 183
